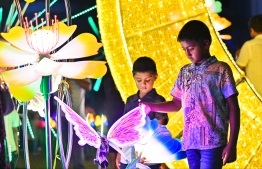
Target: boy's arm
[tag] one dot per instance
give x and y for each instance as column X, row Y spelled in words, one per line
column 230, row 151
column 163, row 107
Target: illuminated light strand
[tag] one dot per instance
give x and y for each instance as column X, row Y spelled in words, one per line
column 80, row 13
column 53, row 131
column 43, row 11
column 10, row 14
column 30, row 129
column 73, row 17
column 14, row 17
column 97, row 33
column 1, row 16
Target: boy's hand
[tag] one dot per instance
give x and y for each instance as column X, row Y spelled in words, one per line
column 118, row 157
column 145, row 107
column 143, row 159
column 229, row 154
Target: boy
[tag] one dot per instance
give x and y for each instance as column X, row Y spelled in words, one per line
column 145, row 74
column 250, row 55
column 207, row 94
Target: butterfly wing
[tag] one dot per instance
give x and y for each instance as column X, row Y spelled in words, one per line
column 84, row 131
column 127, row 130
column 159, row 137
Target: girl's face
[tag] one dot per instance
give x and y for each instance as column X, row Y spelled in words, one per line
column 144, row 82
column 196, row 53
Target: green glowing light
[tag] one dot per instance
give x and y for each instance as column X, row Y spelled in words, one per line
column 93, row 26
column 1, row 17
column 97, row 84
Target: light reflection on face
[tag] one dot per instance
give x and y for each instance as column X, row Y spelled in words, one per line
column 144, row 82
column 195, row 53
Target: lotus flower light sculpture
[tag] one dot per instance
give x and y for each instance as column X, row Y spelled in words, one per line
column 34, row 51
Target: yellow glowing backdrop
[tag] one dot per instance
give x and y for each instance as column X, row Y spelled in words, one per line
column 133, row 28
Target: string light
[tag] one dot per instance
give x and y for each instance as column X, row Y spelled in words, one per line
column 81, row 13
column 43, row 11
column 30, row 129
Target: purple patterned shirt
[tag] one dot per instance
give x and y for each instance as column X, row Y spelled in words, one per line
column 203, row 91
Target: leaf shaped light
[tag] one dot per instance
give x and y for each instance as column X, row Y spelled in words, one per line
column 32, row 51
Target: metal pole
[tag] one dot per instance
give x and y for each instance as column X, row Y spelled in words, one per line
column 47, row 12
column 63, row 93
column 46, row 85
column 25, row 136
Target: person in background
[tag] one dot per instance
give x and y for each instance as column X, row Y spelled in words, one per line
column 4, row 163
column 12, row 123
column 250, row 56
column 145, row 75
column 206, row 91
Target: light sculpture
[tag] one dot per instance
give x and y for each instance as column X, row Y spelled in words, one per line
column 33, row 51
column 134, row 28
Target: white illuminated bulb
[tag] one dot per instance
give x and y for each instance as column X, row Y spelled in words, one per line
column 43, row 41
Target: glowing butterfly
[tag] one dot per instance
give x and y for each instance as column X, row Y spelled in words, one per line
column 134, row 128
column 125, row 132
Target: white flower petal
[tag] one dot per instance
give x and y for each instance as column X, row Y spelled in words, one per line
column 56, row 80
column 21, row 76
column 83, row 45
column 12, row 57
column 82, row 69
column 16, row 36
column 65, row 32
column 47, row 67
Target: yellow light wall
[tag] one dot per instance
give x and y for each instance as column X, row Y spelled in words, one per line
column 134, row 28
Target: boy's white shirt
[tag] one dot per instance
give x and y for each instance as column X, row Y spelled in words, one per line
column 11, row 120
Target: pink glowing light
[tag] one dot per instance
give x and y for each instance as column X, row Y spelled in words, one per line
column 126, row 131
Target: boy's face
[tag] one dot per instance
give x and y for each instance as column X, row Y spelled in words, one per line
column 196, row 53
column 144, row 81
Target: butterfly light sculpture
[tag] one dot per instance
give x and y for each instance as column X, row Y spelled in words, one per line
column 134, row 128
column 123, row 133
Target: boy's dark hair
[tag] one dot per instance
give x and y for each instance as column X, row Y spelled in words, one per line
column 144, row 64
column 255, row 23
column 195, row 31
